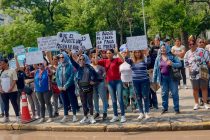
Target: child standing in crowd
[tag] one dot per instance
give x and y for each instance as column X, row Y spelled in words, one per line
column 114, row 82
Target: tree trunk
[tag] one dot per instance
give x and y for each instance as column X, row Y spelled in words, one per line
column 184, row 38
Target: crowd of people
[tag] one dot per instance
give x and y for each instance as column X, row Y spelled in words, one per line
column 130, row 78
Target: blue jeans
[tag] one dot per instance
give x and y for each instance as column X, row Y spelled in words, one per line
column 100, row 90
column 67, row 98
column 142, row 90
column 167, row 84
column 115, row 90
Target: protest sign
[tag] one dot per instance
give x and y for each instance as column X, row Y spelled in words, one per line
column 47, row 43
column 18, row 50
column 106, row 40
column 12, row 64
column 86, row 42
column 32, row 49
column 137, row 43
column 34, row 58
column 68, row 40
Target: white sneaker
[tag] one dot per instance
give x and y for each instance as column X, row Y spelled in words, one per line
column 5, row 120
column 147, row 116
column 92, row 120
column 185, row 86
column 49, row 120
column 196, row 107
column 84, row 120
column 206, row 106
column 74, row 119
column 123, row 119
column 41, row 120
column 141, row 116
column 114, row 119
column 17, row 119
column 65, row 118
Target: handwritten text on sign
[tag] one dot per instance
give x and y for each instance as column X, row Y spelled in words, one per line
column 34, row 58
column 86, row 42
column 106, row 40
column 19, row 50
column 137, row 43
column 68, row 40
column 47, row 43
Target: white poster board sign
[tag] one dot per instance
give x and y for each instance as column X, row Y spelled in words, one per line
column 68, row 40
column 34, row 58
column 86, row 42
column 12, row 64
column 47, row 43
column 18, row 50
column 106, row 40
column 137, row 43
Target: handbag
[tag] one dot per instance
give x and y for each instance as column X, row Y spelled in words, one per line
column 204, row 72
column 175, row 74
column 55, row 89
column 85, row 87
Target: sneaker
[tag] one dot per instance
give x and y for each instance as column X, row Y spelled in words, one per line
column 65, row 118
column 74, row 119
column 114, row 119
column 5, row 119
column 104, row 116
column 2, row 115
column 185, row 86
column 37, row 117
column 123, row 119
column 49, row 120
column 84, row 120
column 196, row 107
column 164, row 111
column 147, row 116
column 92, row 120
column 141, row 116
column 96, row 115
column 206, row 106
column 41, row 120
column 17, row 119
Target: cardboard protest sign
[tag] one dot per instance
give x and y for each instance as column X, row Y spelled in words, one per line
column 34, row 57
column 137, row 43
column 86, row 42
column 68, row 40
column 12, row 64
column 47, row 43
column 18, row 50
column 32, row 49
column 106, row 40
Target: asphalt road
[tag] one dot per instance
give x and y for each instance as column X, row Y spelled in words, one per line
column 40, row 135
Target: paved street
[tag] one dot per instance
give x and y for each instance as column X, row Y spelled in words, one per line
column 181, row 135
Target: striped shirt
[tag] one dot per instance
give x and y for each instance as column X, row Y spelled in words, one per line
column 139, row 71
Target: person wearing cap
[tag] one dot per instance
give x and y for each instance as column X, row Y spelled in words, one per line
column 126, row 77
column 8, row 89
column 42, row 85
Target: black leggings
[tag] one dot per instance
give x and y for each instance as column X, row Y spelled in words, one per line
column 87, row 102
column 182, row 70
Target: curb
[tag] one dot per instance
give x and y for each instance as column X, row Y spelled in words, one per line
column 177, row 126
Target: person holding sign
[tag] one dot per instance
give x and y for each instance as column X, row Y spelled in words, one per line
column 8, row 89
column 42, row 89
column 65, row 82
column 85, row 78
column 114, row 82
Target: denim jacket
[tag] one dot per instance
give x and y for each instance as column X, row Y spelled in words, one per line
column 80, row 71
column 176, row 63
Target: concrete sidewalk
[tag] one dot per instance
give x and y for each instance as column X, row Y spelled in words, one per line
column 188, row 119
